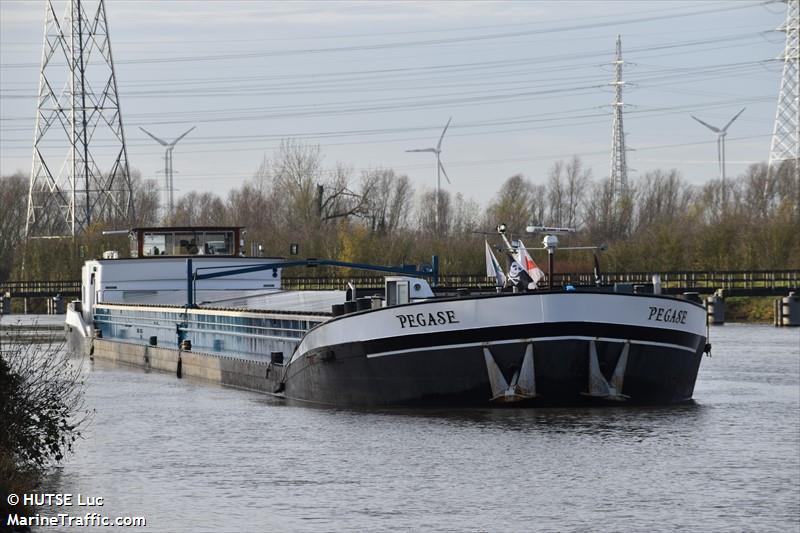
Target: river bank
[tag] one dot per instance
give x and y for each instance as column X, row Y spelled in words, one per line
column 750, row 309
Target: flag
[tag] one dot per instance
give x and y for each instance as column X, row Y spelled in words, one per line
column 517, row 275
column 529, row 265
column 493, row 269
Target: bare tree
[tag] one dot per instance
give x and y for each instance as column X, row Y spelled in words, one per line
column 13, row 193
column 576, row 178
column 599, row 215
column 465, row 216
column 426, row 212
column 335, row 198
column 199, row 209
column 661, row 197
column 389, row 200
column 555, row 195
column 566, row 189
column 41, row 408
column 145, row 199
column 538, row 206
column 512, row 205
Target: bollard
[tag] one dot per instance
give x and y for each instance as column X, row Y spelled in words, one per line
column 58, row 305
column 790, row 310
column 715, row 309
column 656, row 283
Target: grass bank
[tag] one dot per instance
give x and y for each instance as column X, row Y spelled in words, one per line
column 756, row 309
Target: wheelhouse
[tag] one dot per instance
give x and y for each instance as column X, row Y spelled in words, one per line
column 224, row 241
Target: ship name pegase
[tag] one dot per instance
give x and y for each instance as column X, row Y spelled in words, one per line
column 667, row 314
column 419, row 320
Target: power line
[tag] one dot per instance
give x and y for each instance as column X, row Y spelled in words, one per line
column 409, row 44
column 438, row 30
column 538, row 122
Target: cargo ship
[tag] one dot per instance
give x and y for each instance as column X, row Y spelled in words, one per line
column 187, row 301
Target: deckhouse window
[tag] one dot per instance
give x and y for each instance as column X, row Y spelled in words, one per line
column 185, row 241
column 156, row 244
column 218, row 243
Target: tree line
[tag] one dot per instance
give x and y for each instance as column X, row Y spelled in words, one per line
column 659, row 222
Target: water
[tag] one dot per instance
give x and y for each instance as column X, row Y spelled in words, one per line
column 189, row 457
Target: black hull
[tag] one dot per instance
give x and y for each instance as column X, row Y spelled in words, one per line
column 553, row 348
column 343, row 375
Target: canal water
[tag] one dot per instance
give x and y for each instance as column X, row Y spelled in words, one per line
column 189, row 456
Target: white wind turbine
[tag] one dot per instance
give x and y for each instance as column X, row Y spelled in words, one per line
column 721, row 147
column 439, row 167
column 168, row 166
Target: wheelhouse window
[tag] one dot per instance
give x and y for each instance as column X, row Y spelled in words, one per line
column 218, row 243
column 157, row 244
column 149, row 242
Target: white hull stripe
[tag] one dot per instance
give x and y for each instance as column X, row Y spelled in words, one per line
column 521, row 341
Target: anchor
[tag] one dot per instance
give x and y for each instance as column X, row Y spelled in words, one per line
column 523, row 382
column 598, row 386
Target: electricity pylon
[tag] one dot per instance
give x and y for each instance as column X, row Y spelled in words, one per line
column 785, row 147
column 619, row 165
column 80, row 171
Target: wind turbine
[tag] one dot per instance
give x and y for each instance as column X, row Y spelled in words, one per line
column 721, row 147
column 439, row 167
column 168, row 165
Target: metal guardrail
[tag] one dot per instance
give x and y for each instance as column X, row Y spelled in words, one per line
column 34, row 289
column 674, row 281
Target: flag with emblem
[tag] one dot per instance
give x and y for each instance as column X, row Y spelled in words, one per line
column 530, row 266
column 517, row 275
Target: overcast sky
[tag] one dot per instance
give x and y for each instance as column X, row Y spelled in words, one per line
column 526, row 84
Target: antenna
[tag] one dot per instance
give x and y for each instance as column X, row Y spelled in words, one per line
column 785, row 146
column 75, row 181
column 721, row 133
column 548, row 229
column 170, row 184
column 439, row 168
